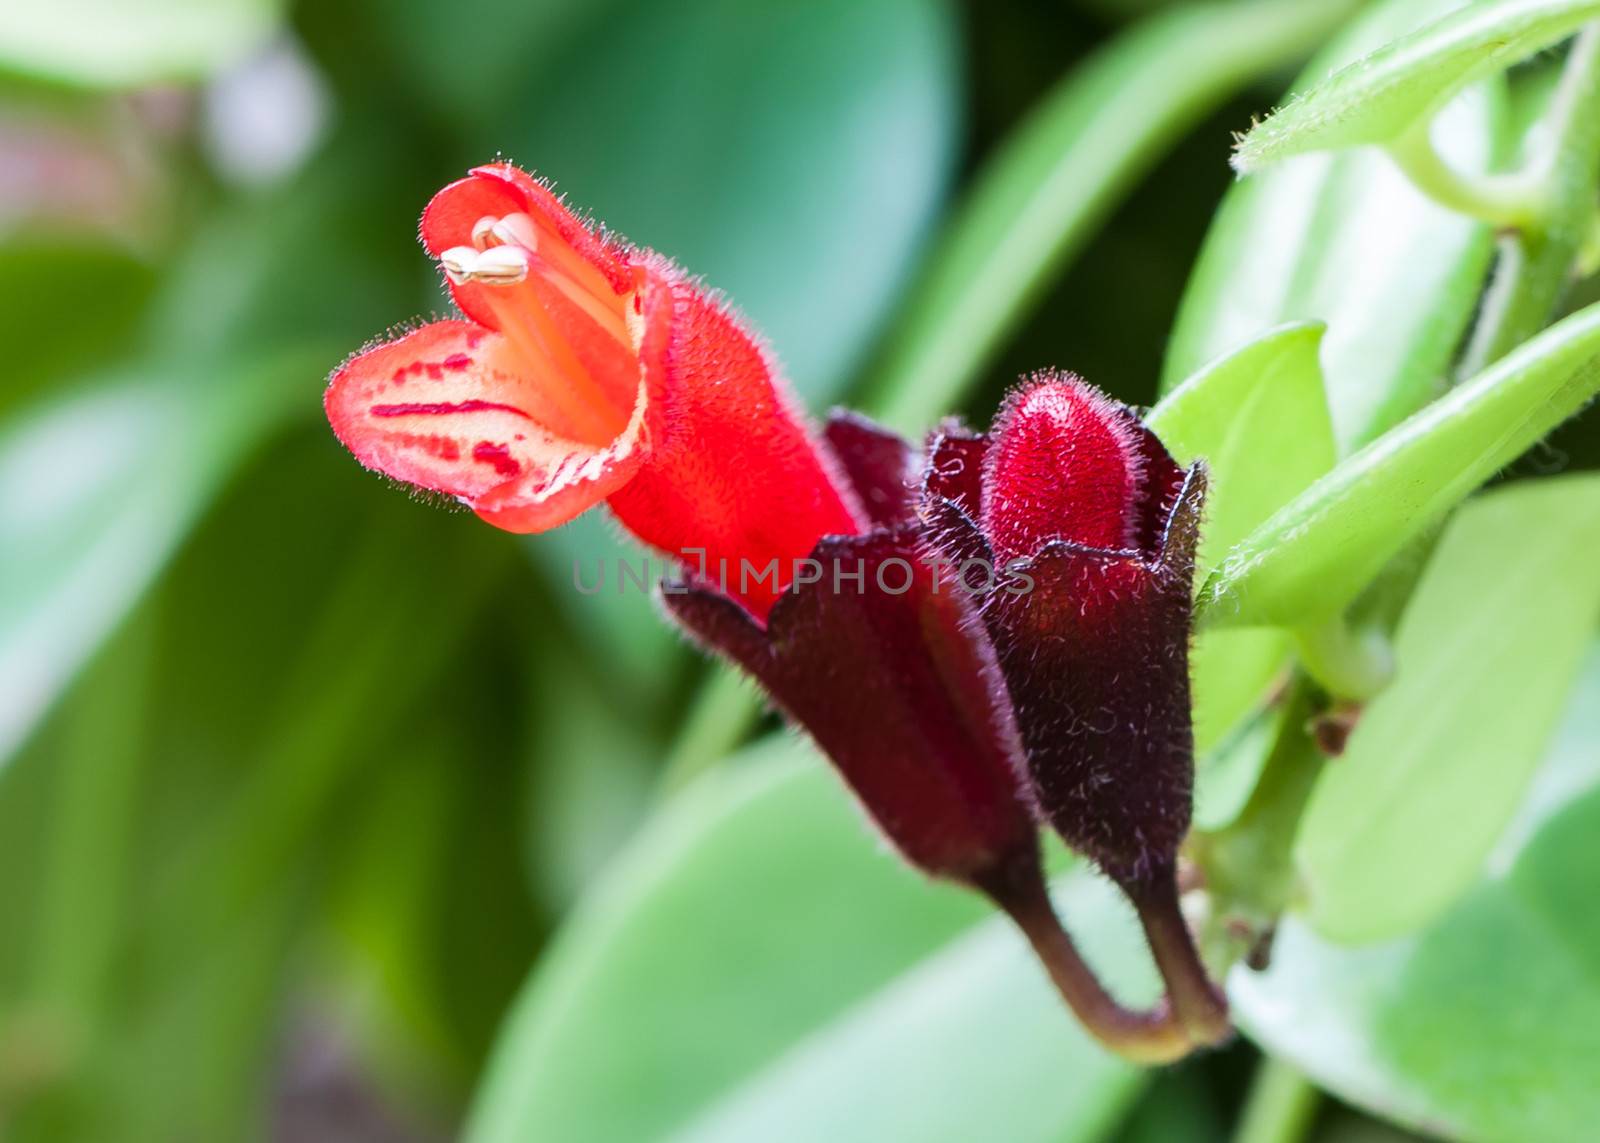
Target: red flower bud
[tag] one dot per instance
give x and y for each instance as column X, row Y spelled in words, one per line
column 1091, row 629
column 1097, row 528
column 1066, row 464
column 587, row 370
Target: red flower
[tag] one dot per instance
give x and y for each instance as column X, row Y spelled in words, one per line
column 588, row 370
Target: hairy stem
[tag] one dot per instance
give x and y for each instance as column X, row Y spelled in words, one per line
column 1198, row 1003
column 1152, row 1037
column 1534, row 264
column 1349, row 664
column 1512, row 200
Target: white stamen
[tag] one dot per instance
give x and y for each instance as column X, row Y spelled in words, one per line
column 459, row 262
column 496, row 266
column 482, row 231
column 501, row 266
column 518, row 230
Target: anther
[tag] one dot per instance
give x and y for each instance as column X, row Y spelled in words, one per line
column 516, row 230
column 496, row 266
column 482, row 231
column 501, row 266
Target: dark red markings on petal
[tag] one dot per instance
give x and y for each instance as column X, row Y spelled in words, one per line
column 444, row 408
column 498, row 456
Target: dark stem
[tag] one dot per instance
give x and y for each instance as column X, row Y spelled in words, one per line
column 1153, row 1037
column 1199, row 1004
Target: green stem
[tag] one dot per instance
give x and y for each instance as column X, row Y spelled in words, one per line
column 1348, row 664
column 1534, row 265
column 1248, row 868
column 1280, row 1107
column 1516, row 200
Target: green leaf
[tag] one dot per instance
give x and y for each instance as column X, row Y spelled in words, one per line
column 1345, row 239
column 1064, row 170
column 1259, row 418
column 1486, row 653
column 756, row 968
column 1315, row 555
column 1382, row 96
column 1481, row 1027
column 41, row 281
column 99, row 488
column 128, row 43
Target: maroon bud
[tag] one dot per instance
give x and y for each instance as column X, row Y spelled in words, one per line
column 893, row 676
column 1091, row 626
column 882, row 655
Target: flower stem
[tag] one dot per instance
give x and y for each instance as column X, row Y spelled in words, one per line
column 1280, row 1106
column 1151, row 1037
column 1518, row 200
column 1348, row 664
column 1199, row 1004
column 1533, row 267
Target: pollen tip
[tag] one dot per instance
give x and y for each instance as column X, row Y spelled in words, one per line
column 496, row 266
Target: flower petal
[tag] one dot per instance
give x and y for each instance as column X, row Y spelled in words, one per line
column 734, row 471
column 501, row 189
column 445, row 408
column 1066, row 463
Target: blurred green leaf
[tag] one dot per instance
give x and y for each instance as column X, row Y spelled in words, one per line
column 432, row 898
column 99, row 488
column 1315, row 555
column 1259, row 419
column 42, row 283
column 125, row 43
column 1383, row 95
column 755, row 968
column 501, row 41
column 1486, row 653
column 1345, row 239
column 1041, row 197
column 1482, row 1027
column 285, row 680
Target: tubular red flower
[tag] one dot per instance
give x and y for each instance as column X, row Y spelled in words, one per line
column 588, row 370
